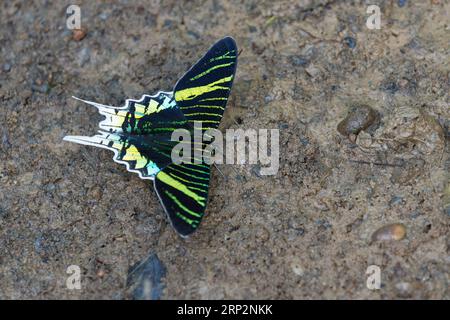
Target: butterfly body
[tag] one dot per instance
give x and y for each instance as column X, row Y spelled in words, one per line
column 140, row 133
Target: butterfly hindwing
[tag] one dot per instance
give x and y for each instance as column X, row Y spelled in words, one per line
column 183, row 191
column 139, row 133
column 202, row 93
column 125, row 152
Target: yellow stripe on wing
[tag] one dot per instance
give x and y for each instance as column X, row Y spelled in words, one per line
column 210, row 70
column 180, row 205
column 192, row 93
column 133, row 154
column 164, row 177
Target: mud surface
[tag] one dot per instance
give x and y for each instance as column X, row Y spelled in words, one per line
column 305, row 232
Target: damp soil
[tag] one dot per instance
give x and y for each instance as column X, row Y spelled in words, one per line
column 310, row 231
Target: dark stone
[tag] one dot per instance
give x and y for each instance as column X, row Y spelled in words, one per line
column 145, row 279
column 252, row 29
column 256, row 170
column 304, row 141
column 168, row 24
column 6, row 67
column 298, row 61
column 350, row 42
column 44, row 88
column 395, row 200
column 390, row 87
column 324, row 224
column 268, row 99
column 3, row 213
column 193, row 34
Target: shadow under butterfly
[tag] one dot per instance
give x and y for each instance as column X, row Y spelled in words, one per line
column 139, row 133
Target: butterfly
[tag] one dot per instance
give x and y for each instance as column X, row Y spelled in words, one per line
column 139, row 133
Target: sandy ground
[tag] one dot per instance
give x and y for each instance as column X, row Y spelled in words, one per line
column 305, row 232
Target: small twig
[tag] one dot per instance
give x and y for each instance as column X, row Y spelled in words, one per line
column 384, row 164
column 316, row 39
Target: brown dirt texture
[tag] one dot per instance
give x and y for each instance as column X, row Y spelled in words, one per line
column 308, row 232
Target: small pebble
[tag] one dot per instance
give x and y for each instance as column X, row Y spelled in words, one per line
column 104, row 16
column 312, row 70
column 268, row 99
column 3, row 213
column 390, row 87
column 84, row 56
column 324, row 224
column 304, row 141
column 350, row 42
column 256, row 170
column 101, row 273
column 193, row 34
column 44, row 88
column 79, row 34
column 403, row 288
column 6, row 67
column 298, row 61
column 145, row 279
column 168, row 24
column 395, row 231
column 359, row 118
column 395, row 200
column 297, row 269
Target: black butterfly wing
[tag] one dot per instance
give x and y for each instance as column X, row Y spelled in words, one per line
column 202, row 93
column 183, row 192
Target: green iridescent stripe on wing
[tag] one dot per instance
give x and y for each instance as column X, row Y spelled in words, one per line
column 183, row 191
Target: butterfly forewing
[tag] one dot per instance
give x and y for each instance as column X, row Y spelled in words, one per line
column 202, row 93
